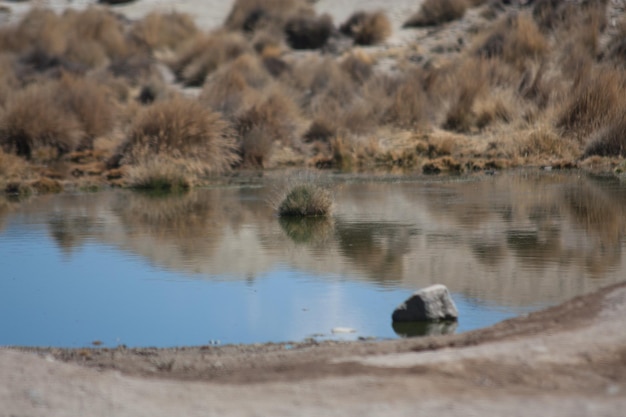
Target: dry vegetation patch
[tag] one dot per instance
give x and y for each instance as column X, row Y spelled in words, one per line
column 367, row 28
column 436, row 12
column 180, row 128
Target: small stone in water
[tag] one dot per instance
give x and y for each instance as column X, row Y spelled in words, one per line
column 343, row 330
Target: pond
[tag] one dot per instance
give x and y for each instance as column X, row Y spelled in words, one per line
column 216, row 266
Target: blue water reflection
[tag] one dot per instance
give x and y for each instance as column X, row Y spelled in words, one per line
column 102, row 293
column 217, row 265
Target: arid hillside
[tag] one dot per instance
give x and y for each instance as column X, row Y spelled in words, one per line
column 168, row 94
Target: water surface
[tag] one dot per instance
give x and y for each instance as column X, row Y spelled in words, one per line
column 217, row 266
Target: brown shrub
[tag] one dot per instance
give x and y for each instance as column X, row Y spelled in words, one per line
column 308, row 32
column 100, row 26
column 251, row 15
column 515, row 38
column 78, row 38
column 359, row 65
column 304, row 199
column 592, row 102
column 273, row 117
column 408, row 103
column 367, row 28
column 235, row 85
column 471, row 81
column 92, row 104
column 12, row 167
column 181, row 129
column 205, row 53
column 544, row 141
column 610, row 140
column 436, row 12
column 33, row 119
column 159, row 174
column 164, row 30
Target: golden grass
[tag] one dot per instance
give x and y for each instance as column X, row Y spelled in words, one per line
column 33, row 119
column 180, row 128
column 514, row 38
column 367, row 28
column 609, row 140
column 164, row 30
column 159, row 174
column 204, row 54
column 91, row 102
column 272, row 117
column 593, row 102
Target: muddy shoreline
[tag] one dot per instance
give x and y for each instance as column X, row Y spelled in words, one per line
column 567, row 360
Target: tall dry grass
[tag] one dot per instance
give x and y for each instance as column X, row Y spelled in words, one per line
column 515, row 38
column 33, row 120
column 180, row 128
column 597, row 98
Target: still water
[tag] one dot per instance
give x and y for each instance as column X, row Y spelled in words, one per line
column 217, row 266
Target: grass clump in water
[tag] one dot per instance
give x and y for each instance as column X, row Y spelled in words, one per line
column 304, row 200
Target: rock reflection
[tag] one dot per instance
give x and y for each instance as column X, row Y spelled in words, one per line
column 424, row 328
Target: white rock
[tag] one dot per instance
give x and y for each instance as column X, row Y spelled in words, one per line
column 428, row 304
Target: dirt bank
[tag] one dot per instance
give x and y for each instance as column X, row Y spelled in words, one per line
column 564, row 361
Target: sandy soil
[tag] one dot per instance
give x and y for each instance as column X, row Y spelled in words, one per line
column 569, row 360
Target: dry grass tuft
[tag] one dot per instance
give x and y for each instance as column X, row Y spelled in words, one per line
column 471, row 81
column 236, row 85
column 46, row 185
column 33, row 119
column 515, row 39
column 359, row 66
column 408, row 104
column 181, row 129
column 593, row 102
column 159, row 174
column 164, row 30
column 92, row 104
column 367, row 28
column 253, row 15
column 436, row 12
column 273, row 117
column 305, row 200
column 545, row 141
column 205, row 53
column 12, row 167
column 609, row 141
